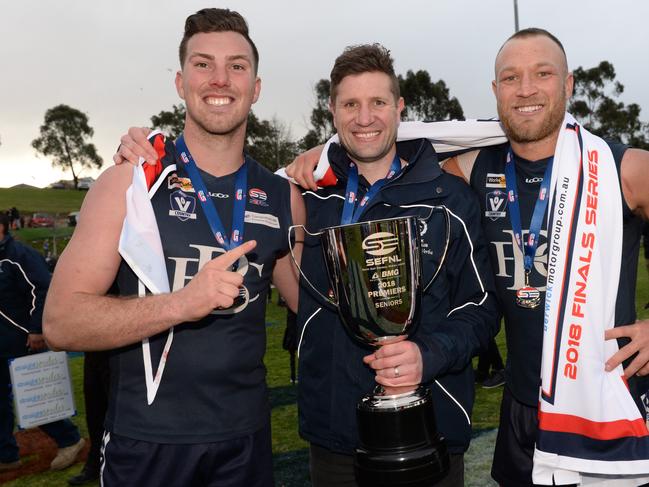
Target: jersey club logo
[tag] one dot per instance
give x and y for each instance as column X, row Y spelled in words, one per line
column 496, row 205
column 183, row 206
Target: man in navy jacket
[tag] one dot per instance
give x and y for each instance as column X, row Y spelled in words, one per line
column 24, row 280
column 458, row 312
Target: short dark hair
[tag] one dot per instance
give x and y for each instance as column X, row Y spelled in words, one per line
column 535, row 31
column 4, row 221
column 364, row 58
column 216, row 20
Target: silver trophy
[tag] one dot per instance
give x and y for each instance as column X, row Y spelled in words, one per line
column 375, row 274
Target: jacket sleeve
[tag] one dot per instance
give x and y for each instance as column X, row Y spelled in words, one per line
column 464, row 315
column 34, row 281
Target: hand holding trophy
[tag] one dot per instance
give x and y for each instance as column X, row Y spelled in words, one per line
column 375, row 274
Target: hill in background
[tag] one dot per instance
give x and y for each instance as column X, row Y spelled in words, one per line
column 30, row 200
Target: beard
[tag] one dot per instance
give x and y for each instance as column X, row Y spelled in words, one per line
column 523, row 133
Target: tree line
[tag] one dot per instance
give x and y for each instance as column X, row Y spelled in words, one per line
column 66, row 134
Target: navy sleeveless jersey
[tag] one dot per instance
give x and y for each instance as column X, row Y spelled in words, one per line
column 524, row 327
column 213, row 387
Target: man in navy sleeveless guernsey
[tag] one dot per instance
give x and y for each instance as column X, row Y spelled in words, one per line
column 188, row 400
column 532, row 87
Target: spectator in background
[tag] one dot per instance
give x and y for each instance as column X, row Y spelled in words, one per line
column 14, row 214
column 24, row 280
column 491, row 369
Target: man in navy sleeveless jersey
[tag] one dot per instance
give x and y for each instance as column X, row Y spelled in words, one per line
column 532, row 87
column 188, row 401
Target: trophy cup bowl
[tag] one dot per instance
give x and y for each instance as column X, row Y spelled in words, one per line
column 374, row 270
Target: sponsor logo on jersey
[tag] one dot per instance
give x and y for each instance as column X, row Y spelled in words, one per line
column 185, row 267
column 219, row 195
column 496, row 204
column 183, row 206
column 261, row 219
column 380, row 243
column 534, row 180
column 258, row 197
column 184, row 184
column 495, row 180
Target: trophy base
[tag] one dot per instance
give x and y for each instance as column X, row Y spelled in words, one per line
column 399, row 442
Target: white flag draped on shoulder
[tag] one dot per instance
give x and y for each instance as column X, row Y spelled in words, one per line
column 141, row 248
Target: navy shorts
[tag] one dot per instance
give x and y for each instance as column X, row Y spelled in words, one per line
column 512, row 465
column 240, row 462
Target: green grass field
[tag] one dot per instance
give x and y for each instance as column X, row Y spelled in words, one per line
column 290, row 452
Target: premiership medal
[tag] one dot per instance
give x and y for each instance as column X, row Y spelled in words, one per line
column 227, row 242
column 528, row 296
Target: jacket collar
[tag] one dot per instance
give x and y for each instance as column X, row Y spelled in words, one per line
column 412, row 151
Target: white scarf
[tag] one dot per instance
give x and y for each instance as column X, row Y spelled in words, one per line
column 582, row 408
column 444, row 136
column 141, row 248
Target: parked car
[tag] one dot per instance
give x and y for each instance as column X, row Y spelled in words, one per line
column 73, row 218
column 41, row 220
column 85, row 183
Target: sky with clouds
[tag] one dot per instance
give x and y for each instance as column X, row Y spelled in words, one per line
column 116, row 60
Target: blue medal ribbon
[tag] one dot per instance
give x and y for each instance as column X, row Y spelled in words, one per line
column 353, row 212
column 213, row 219
column 528, row 248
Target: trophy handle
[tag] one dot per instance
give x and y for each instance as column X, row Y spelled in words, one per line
column 291, row 229
column 447, row 219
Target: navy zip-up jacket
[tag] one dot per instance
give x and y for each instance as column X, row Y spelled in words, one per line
column 24, row 281
column 458, row 312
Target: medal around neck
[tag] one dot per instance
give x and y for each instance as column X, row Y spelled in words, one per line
column 528, row 297
column 375, row 274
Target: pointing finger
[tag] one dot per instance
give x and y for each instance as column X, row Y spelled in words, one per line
column 231, row 256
